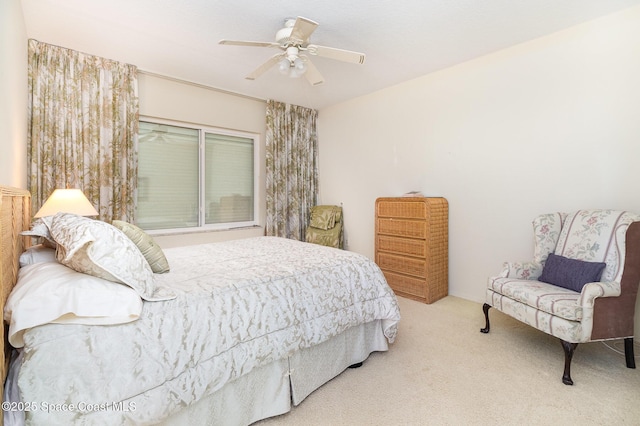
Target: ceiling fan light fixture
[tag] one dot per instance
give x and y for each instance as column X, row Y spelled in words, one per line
column 284, row 66
column 300, row 66
column 293, row 66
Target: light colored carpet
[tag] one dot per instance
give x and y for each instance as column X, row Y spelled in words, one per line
column 442, row 371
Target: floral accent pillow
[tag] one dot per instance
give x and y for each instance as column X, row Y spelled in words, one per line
column 100, row 249
column 148, row 247
column 40, row 228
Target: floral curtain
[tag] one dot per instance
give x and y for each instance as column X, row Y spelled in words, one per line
column 292, row 168
column 83, row 126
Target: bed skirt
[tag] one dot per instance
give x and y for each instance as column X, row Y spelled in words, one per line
column 271, row 390
column 266, row 391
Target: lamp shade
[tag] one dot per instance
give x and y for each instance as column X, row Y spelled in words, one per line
column 67, row 201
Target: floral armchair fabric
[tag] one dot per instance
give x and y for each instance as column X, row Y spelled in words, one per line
column 325, row 226
column 604, row 307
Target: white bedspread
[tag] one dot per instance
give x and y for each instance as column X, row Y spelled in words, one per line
column 240, row 305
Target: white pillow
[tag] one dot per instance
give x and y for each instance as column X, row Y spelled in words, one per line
column 52, row 293
column 36, row 254
column 100, row 249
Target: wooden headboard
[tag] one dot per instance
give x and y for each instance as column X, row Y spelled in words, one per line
column 15, row 217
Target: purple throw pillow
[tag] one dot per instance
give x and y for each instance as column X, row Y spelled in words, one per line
column 570, row 273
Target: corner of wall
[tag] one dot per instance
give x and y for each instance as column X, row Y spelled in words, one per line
column 13, row 102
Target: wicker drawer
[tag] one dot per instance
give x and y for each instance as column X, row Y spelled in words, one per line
column 408, row 246
column 415, row 288
column 408, row 209
column 402, row 264
column 406, row 286
column 402, row 228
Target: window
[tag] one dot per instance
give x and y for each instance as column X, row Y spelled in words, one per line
column 195, row 177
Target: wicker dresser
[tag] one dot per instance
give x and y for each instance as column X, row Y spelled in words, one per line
column 412, row 240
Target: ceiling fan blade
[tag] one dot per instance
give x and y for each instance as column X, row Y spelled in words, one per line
column 312, row 74
column 249, row 43
column 264, row 67
column 303, row 28
column 337, row 54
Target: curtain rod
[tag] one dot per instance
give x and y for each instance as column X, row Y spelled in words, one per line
column 199, row 85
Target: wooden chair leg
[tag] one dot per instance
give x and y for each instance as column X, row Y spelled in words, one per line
column 628, row 352
column 569, row 348
column 485, row 309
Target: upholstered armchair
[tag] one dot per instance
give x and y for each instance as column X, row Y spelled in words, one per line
column 582, row 283
column 325, row 226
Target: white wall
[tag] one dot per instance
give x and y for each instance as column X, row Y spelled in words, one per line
column 549, row 125
column 13, row 95
column 174, row 100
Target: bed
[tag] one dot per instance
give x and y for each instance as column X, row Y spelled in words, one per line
column 233, row 333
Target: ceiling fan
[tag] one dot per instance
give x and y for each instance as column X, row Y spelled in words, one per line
column 293, row 40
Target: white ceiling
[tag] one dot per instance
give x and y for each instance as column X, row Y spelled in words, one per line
column 403, row 39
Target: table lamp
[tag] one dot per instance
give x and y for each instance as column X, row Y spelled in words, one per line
column 67, row 201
